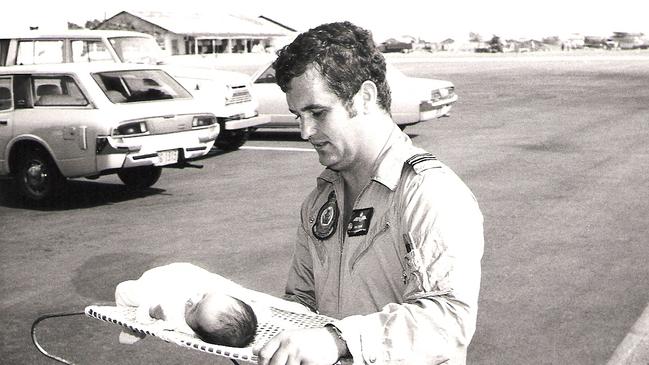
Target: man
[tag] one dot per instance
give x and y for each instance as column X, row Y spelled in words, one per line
column 390, row 239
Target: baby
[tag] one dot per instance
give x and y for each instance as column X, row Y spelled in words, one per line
column 193, row 300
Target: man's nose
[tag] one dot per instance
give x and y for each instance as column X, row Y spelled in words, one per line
column 307, row 128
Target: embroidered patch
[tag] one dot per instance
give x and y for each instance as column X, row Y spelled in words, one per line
column 327, row 219
column 423, row 161
column 359, row 223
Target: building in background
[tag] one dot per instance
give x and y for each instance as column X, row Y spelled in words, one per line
column 629, row 40
column 180, row 34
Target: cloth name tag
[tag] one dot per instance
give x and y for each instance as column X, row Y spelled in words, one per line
column 359, row 223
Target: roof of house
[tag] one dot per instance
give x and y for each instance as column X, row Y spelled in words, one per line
column 277, row 23
column 217, row 25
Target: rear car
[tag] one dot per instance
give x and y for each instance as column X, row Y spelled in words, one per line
column 67, row 120
column 414, row 100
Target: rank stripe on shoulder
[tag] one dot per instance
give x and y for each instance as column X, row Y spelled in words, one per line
column 420, row 158
column 423, row 161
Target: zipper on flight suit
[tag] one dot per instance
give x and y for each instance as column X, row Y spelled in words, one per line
column 343, row 231
column 341, row 240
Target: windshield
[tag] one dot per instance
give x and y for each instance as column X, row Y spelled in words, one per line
column 139, row 85
column 137, row 50
column 267, row 77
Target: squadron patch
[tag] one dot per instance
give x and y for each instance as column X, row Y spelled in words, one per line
column 360, row 221
column 327, row 219
column 423, row 161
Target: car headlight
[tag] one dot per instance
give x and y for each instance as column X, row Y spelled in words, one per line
column 203, row 121
column 128, row 129
column 443, row 93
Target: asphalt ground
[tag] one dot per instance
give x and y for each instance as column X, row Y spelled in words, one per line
column 555, row 151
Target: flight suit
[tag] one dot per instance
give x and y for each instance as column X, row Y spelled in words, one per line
column 403, row 275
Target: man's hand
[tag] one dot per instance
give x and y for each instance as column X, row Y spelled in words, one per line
column 313, row 346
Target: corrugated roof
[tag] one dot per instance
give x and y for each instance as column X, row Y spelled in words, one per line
column 218, row 25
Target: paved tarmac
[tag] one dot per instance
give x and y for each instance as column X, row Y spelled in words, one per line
column 554, row 150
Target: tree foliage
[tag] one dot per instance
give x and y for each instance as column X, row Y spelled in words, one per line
column 93, row 24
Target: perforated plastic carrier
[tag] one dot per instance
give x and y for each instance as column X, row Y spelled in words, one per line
column 279, row 321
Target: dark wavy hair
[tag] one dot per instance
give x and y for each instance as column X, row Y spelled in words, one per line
column 343, row 53
column 237, row 327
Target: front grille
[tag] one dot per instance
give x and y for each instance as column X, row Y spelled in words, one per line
column 240, row 94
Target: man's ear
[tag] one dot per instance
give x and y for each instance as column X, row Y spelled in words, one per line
column 367, row 96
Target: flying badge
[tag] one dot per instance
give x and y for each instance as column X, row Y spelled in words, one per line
column 327, row 219
column 359, row 223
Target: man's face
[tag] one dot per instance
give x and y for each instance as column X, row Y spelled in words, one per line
column 324, row 120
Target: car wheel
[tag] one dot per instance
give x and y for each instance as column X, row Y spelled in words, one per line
column 231, row 140
column 37, row 176
column 140, row 177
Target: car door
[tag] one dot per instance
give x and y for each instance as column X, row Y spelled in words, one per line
column 59, row 116
column 6, row 112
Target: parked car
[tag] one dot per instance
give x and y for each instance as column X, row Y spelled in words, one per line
column 69, row 120
column 393, row 45
column 228, row 92
column 414, row 100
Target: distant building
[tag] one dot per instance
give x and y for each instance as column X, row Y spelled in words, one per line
column 180, row 34
column 572, row 41
column 630, row 40
column 447, row 44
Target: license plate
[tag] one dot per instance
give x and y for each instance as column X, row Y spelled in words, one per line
column 168, row 157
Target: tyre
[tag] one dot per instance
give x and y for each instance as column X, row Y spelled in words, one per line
column 140, row 177
column 231, row 140
column 37, row 175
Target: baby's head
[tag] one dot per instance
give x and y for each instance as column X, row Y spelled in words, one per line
column 221, row 320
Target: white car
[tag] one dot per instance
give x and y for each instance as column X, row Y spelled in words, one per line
column 86, row 120
column 414, row 100
column 228, row 93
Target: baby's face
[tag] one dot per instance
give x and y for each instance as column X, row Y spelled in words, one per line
column 201, row 309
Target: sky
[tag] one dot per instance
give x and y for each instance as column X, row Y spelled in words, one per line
column 431, row 20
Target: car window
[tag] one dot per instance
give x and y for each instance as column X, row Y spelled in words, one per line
column 39, row 52
column 89, row 51
column 267, row 77
column 137, row 50
column 6, row 99
column 57, row 91
column 139, row 85
column 4, row 51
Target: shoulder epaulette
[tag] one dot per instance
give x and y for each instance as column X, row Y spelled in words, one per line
column 423, row 161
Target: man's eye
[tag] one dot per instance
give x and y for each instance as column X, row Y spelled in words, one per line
column 318, row 114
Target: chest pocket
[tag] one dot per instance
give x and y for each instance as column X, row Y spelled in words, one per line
column 377, row 239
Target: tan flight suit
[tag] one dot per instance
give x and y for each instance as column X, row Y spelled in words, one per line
column 404, row 274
